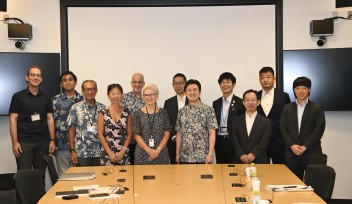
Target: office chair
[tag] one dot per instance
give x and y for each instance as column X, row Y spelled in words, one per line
column 30, row 185
column 322, row 179
column 318, row 159
column 7, row 188
column 52, row 169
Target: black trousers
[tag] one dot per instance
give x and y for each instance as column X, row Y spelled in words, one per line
column 224, row 150
column 32, row 156
column 92, row 161
column 276, row 155
column 297, row 165
column 171, row 147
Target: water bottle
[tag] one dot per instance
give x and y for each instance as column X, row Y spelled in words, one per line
column 252, row 170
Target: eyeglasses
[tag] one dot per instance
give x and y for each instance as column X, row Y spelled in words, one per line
column 149, row 95
column 35, row 75
column 89, row 90
column 178, row 83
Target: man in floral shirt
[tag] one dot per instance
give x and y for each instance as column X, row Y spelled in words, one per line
column 61, row 106
column 82, row 122
column 195, row 126
column 133, row 101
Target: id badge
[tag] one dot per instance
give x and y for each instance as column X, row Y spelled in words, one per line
column 151, row 142
column 35, row 117
column 91, row 128
column 223, row 130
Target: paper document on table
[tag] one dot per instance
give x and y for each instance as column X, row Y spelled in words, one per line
column 294, row 187
column 77, row 176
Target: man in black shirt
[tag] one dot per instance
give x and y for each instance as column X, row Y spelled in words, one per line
column 32, row 124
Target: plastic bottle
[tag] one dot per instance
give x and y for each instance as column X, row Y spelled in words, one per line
column 252, row 170
column 255, row 197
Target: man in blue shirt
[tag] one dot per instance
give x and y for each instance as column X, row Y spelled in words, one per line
column 61, row 106
column 82, row 122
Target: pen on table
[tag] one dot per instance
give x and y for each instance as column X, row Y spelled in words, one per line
column 290, row 186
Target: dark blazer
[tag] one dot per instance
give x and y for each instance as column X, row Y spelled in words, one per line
column 256, row 142
column 312, row 127
column 171, row 106
column 236, row 108
column 280, row 100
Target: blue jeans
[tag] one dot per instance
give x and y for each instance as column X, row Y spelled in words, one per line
column 63, row 161
column 32, row 156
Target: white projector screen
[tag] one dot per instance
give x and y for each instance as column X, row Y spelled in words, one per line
column 109, row 44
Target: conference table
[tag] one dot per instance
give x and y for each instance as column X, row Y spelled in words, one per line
column 198, row 183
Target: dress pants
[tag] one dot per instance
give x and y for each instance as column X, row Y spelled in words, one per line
column 32, row 156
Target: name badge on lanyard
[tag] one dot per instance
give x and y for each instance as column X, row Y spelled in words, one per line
column 223, row 130
column 151, row 142
column 91, row 128
column 35, row 117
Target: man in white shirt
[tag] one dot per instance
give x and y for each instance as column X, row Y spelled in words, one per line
column 302, row 125
column 272, row 101
column 251, row 132
column 172, row 106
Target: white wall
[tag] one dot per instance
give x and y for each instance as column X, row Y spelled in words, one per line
column 45, row 19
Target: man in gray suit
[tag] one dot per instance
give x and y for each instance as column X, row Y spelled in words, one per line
column 251, row 132
column 302, row 125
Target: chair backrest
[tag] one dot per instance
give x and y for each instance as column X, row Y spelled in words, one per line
column 52, row 169
column 7, row 181
column 30, row 185
column 8, row 196
column 322, row 179
column 318, row 159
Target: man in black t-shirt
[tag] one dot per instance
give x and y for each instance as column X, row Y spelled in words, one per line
column 32, row 124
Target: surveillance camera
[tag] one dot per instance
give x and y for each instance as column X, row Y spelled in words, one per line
column 322, row 40
column 20, row 45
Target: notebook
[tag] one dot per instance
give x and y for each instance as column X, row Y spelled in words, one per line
column 77, row 176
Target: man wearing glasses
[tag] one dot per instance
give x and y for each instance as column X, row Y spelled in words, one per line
column 82, row 122
column 32, row 124
column 172, row 106
column 133, row 101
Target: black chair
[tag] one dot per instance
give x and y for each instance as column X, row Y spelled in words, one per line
column 318, row 159
column 322, row 179
column 52, row 169
column 30, row 185
column 7, row 188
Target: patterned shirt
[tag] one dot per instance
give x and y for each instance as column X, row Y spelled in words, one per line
column 84, row 117
column 131, row 102
column 194, row 123
column 61, row 107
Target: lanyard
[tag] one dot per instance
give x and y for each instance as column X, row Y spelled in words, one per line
column 151, row 124
column 224, row 115
column 89, row 118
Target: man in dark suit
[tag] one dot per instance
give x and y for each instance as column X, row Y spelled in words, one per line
column 272, row 101
column 172, row 105
column 302, row 125
column 251, row 132
column 226, row 107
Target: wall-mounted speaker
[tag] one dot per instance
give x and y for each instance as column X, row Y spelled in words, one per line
column 19, row 31
column 322, row 27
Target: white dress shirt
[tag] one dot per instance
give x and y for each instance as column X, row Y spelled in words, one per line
column 267, row 101
column 249, row 122
column 181, row 101
column 300, row 110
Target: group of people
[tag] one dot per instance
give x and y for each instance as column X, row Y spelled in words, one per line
column 260, row 127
